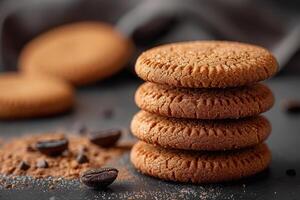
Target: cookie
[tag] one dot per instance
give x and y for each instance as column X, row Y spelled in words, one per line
column 204, row 103
column 206, row 64
column 80, row 53
column 26, row 96
column 199, row 167
column 205, row 135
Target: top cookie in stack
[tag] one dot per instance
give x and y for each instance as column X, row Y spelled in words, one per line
column 203, row 95
column 206, row 64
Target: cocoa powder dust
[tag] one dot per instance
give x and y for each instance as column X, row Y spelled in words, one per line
column 19, row 150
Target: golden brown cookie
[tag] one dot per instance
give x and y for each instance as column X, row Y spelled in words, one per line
column 206, row 64
column 200, row 134
column 82, row 52
column 26, row 96
column 204, row 103
column 199, row 167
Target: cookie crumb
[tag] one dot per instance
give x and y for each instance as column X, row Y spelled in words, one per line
column 107, row 113
column 82, row 158
column 42, row 164
column 23, row 165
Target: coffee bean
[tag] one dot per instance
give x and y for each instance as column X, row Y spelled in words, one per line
column 290, row 172
column 82, row 158
column 42, row 164
column 23, row 165
column 99, row 178
column 291, row 106
column 52, row 147
column 105, row 138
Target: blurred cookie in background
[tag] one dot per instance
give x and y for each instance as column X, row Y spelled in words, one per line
column 32, row 96
column 79, row 53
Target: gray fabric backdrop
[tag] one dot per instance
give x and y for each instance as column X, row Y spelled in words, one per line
column 273, row 24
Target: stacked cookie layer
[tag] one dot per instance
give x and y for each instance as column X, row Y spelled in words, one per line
column 200, row 120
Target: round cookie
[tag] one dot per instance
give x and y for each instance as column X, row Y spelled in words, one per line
column 80, row 53
column 27, row 96
column 199, row 167
column 206, row 64
column 204, row 103
column 205, row 135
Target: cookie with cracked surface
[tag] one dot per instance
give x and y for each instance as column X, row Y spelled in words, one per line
column 206, row 64
column 204, row 103
column 80, row 53
column 27, row 96
column 199, row 167
column 205, row 135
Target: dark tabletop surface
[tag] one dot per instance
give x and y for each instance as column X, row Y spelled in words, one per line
column 117, row 93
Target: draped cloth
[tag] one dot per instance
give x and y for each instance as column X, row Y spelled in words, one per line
column 272, row 24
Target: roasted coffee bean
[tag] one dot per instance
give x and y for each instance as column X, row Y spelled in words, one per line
column 290, row 172
column 23, row 165
column 82, row 158
column 52, row 147
column 42, row 164
column 291, row 106
column 105, row 138
column 99, row 178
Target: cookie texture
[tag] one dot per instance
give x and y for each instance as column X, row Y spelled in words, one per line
column 204, row 103
column 81, row 53
column 24, row 96
column 199, row 167
column 206, row 64
column 205, row 135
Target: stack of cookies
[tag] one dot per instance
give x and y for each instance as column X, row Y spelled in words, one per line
column 200, row 120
